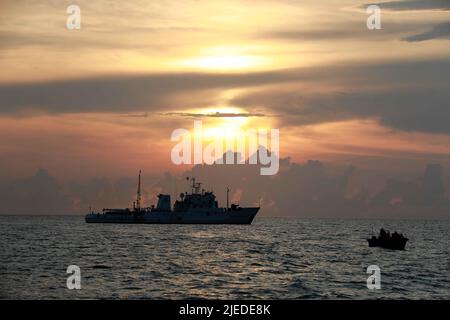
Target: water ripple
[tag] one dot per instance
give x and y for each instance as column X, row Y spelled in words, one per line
column 271, row 259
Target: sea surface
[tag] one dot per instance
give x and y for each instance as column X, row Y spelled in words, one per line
column 274, row 258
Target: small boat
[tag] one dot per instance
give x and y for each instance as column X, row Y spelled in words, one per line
column 395, row 241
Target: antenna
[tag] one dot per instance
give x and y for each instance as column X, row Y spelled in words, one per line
column 176, row 187
column 193, row 185
column 228, row 191
column 196, row 186
column 138, row 197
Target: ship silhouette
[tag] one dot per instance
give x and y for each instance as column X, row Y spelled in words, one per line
column 197, row 207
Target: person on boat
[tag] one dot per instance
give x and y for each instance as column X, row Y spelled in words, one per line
column 383, row 234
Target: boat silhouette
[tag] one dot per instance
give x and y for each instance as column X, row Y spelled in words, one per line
column 197, row 207
column 385, row 239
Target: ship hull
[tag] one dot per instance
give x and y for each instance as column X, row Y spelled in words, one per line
column 242, row 216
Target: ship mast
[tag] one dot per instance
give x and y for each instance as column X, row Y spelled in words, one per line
column 138, row 196
column 228, row 191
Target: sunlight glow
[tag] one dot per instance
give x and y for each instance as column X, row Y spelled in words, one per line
column 222, row 126
column 224, row 62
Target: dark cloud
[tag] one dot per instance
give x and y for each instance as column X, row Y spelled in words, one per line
column 39, row 194
column 441, row 31
column 118, row 93
column 423, row 110
column 391, row 29
column 427, row 190
column 318, row 35
column 411, row 95
column 310, row 189
column 415, row 5
column 102, row 193
column 343, row 31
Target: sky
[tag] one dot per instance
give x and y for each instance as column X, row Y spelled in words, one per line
column 364, row 115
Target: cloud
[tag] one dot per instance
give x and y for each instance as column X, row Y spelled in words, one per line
column 215, row 115
column 38, row 194
column 441, row 31
column 415, row 5
column 136, row 115
column 104, row 26
column 344, row 31
column 94, row 39
column 119, row 93
column 416, row 98
column 427, row 191
column 310, row 189
column 424, row 110
column 318, row 34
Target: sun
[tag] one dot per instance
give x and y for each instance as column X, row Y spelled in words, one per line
column 224, row 62
column 225, row 58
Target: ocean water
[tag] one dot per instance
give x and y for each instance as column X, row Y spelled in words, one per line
column 273, row 258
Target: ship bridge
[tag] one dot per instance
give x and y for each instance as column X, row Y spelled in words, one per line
column 197, row 199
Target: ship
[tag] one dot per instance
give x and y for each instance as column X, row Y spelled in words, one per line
column 197, row 207
column 395, row 241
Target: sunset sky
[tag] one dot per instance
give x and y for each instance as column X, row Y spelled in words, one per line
column 101, row 102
